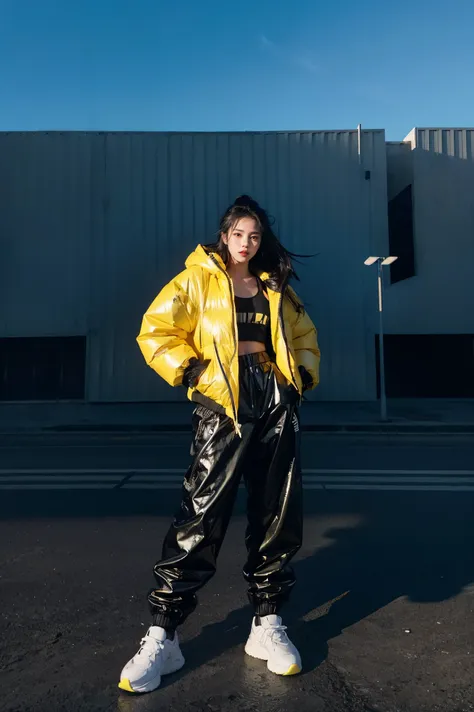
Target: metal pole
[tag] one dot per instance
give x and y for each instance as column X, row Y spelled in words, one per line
column 383, row 398
column 359, row 143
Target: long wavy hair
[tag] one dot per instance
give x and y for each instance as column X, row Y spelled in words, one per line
column 271, row 257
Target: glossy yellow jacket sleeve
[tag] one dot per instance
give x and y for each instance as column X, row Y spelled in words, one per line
column 305, row 345
column 165, row 337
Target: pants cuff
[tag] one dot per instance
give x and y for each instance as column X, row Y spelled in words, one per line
column 265, row 608
column 165, row 622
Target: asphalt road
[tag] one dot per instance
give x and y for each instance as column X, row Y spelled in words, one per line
column 383, row 611
column 158, row 461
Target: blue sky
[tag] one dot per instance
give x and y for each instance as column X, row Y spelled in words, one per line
column 249, row 65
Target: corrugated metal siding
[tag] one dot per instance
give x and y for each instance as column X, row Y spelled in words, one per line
column 450, row 142
column 152, row 197
column 45, row 219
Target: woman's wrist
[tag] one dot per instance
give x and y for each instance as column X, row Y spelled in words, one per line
column 306, row 378
column 192, row 372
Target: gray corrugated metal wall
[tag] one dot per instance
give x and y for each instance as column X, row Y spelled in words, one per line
column 45, row 222
column 142, row 202
column 455, row 142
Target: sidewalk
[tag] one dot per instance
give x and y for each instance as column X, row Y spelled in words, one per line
column 422, row 415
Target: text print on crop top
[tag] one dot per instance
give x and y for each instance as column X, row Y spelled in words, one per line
column 253, row 317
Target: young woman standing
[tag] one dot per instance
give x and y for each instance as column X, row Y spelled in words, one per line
column 231, row 330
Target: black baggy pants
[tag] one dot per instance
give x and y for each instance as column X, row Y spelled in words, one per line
column 267, row 456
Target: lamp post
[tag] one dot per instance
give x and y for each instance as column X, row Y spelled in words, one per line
column 381, row 262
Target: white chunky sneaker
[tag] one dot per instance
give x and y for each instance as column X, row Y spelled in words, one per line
column 157, row 656
column 269, row 641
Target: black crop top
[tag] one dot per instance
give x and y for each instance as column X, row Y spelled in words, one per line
column 253, row 317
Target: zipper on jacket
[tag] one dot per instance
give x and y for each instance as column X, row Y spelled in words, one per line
column 234, row 410
column 234, row 320
column 234, row 324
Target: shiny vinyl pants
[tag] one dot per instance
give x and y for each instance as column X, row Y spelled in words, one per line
column 267, row 457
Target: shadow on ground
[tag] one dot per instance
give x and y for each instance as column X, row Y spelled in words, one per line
column 386, row 546
column 416, row 546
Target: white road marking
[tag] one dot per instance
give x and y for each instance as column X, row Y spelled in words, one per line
column 54, row 486
column 172, row 478
column 422, row 488
column 389, row 472
column 150, row 440
column 181, row 470
column 61, row 478
column 107, row 470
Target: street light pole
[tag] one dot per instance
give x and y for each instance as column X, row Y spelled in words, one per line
column 381, row 262
column 383, row 395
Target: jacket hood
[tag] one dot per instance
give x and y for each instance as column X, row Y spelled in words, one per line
column 203, row 256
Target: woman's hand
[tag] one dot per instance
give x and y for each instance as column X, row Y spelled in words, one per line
column 306, row 378
column 193, row 372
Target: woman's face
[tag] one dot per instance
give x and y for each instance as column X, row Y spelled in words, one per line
column 243, row 240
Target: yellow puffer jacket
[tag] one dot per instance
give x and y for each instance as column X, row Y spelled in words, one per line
column 194, row 317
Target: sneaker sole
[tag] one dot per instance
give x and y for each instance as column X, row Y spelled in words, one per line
column 154, row 684
column 292, row 670
column 261, row 654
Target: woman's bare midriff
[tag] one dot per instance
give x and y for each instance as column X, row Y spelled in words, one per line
column 250, row 347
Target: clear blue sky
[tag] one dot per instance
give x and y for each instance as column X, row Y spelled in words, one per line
column 249, row 65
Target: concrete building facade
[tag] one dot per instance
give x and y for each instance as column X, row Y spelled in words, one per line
column 430, row 314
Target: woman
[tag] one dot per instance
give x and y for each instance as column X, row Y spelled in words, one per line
column 232, row 331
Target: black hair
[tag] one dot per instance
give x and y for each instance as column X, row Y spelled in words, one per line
column 271, row 257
